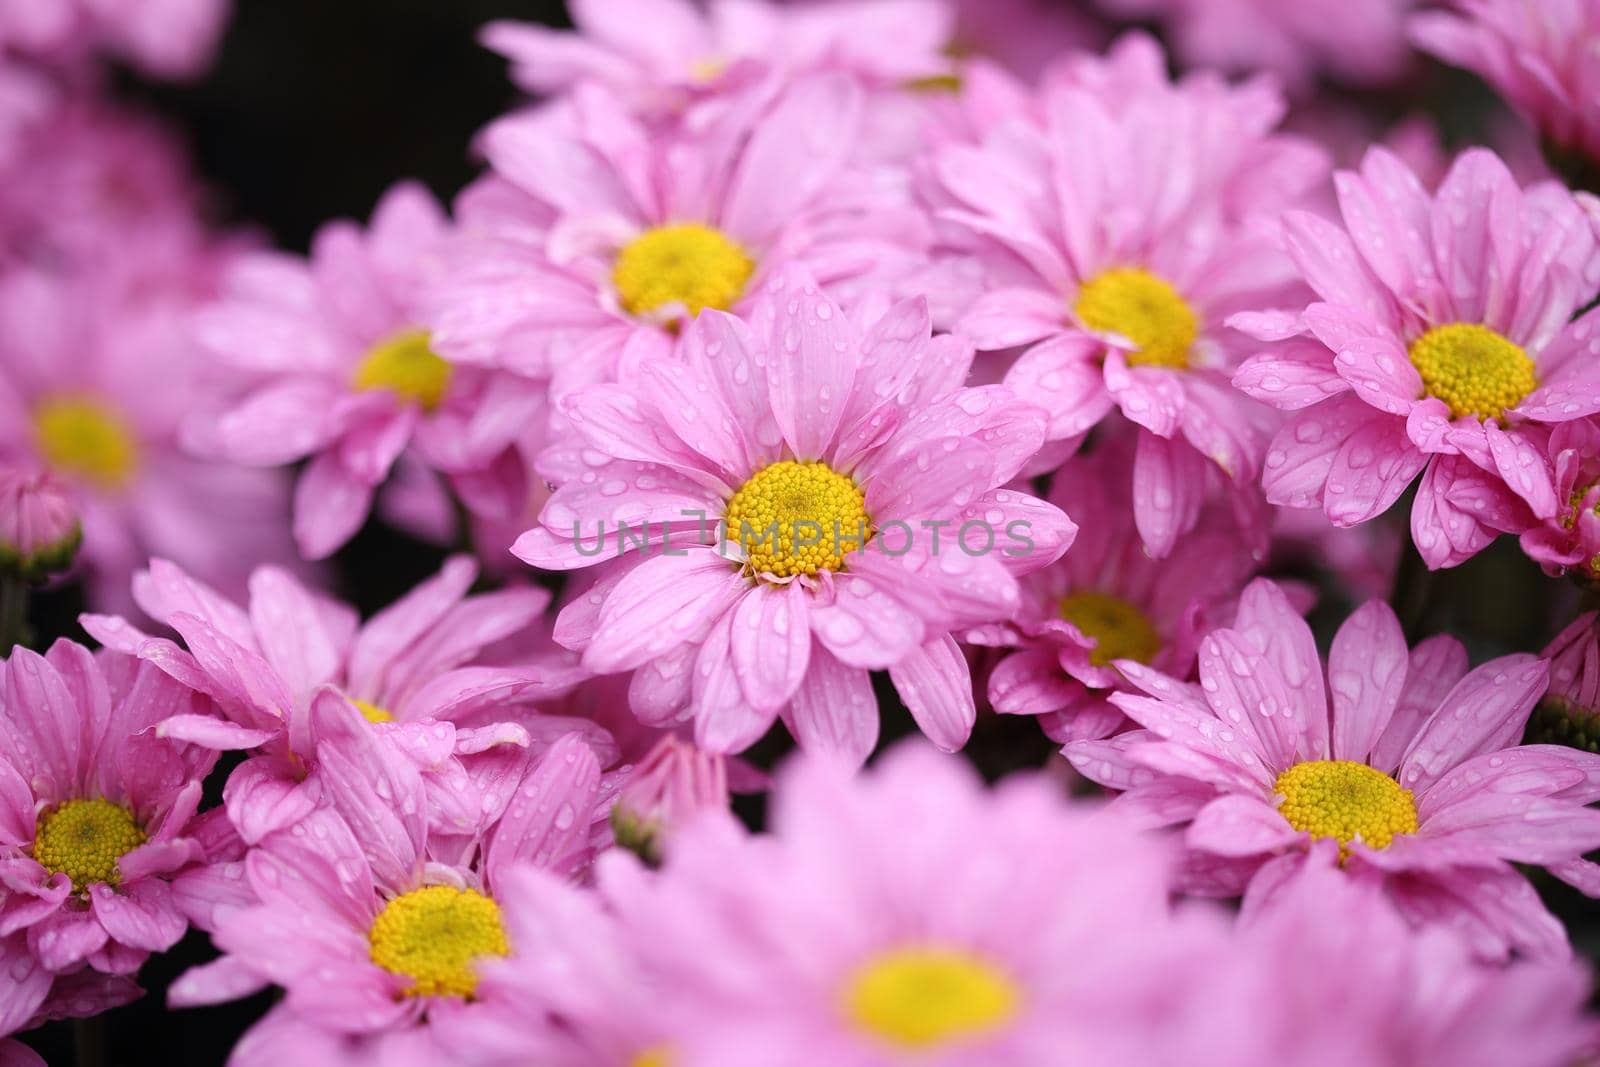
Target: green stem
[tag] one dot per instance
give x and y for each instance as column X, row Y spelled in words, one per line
column 13, row 613
column 1413, row 582
column 89, row 1041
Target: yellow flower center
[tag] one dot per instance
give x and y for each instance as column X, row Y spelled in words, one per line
column 84, row 840
column 372, row 712
column 84, row 438
column 935, row 83
column 1474, row 370
column 1144, row 308
column 434, row 936
column 655, row 1056
column 685, row 265
column 1120, row 630
column 798, row 518
column 918, row 998
column 407, row 366
column 1346, row 800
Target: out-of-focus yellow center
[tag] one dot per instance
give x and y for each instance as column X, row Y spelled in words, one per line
column 434, row 936
column 372, row 712
column 1147, row 310
column 921, row 998
column 407, row 366
column 1345, row 799
column 83, row 438
column 655, row 1056
column 84, row 839
column 1473, row 369
column 798, row 518
column 1120, row 630
column 687, row 265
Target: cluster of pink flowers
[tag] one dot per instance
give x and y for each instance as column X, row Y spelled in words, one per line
column 790, row 363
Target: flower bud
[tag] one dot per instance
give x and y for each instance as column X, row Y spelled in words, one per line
column 668, row 787
column 39, row 528
column 1569, row 714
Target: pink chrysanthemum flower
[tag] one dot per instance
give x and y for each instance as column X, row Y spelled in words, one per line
column 661, row 55
column 600, row 236
column 341, row 370
column 1362, row 43
column 1568, row 541
column 95, row 807
column 162, row 37
column 1107, row 600
column 726, row 462
column 1441, row 346
column 1117, row 272
column 1331, row 974
column 375, row 934
column 1415, row 771
column 296, row 660
column 907, row 915
column 96, row 373
column 1539, row 56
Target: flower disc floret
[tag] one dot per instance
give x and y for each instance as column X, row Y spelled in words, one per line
column 1345, row 800
column 687, row 264
column 84, row 438
column 407, row 366
column 85, row 839
column 1120, row 630
column 1473, row 369
column 434, row 936
column 920, row 998
column 796, row 518
column 1145, row 309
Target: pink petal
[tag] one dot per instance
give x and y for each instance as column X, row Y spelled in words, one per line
column 835, row 714
column 547, row 822
column 814, row 358
column 1366, row 672
column 1485, row 711
column 140, row 915
column 1063, row 376
column 329, row 506
column 771, row 643
column 1169, row 481
column 724, row 721
column 936, row 685
column 1031, row 682
column 1240, row 826
column 661, row 604
column 1011, row 318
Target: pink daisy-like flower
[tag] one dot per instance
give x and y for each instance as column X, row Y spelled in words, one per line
column 662, row 55
column 1442, row 346
column 1107, row 600
column 1539, row 56
column 374, row 934
column 1415, row 771
column 814, row 503
column 95, row 808
column 167, row 38
column 1117, row 271
column 341, row 369
column 906, row 915
column 599, row 237
column 1331, row 974
column 296, row 661
column 1568, row 541
column 96, row 373
column 1362, row 43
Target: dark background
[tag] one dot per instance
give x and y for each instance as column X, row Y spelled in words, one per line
column 315, row 107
